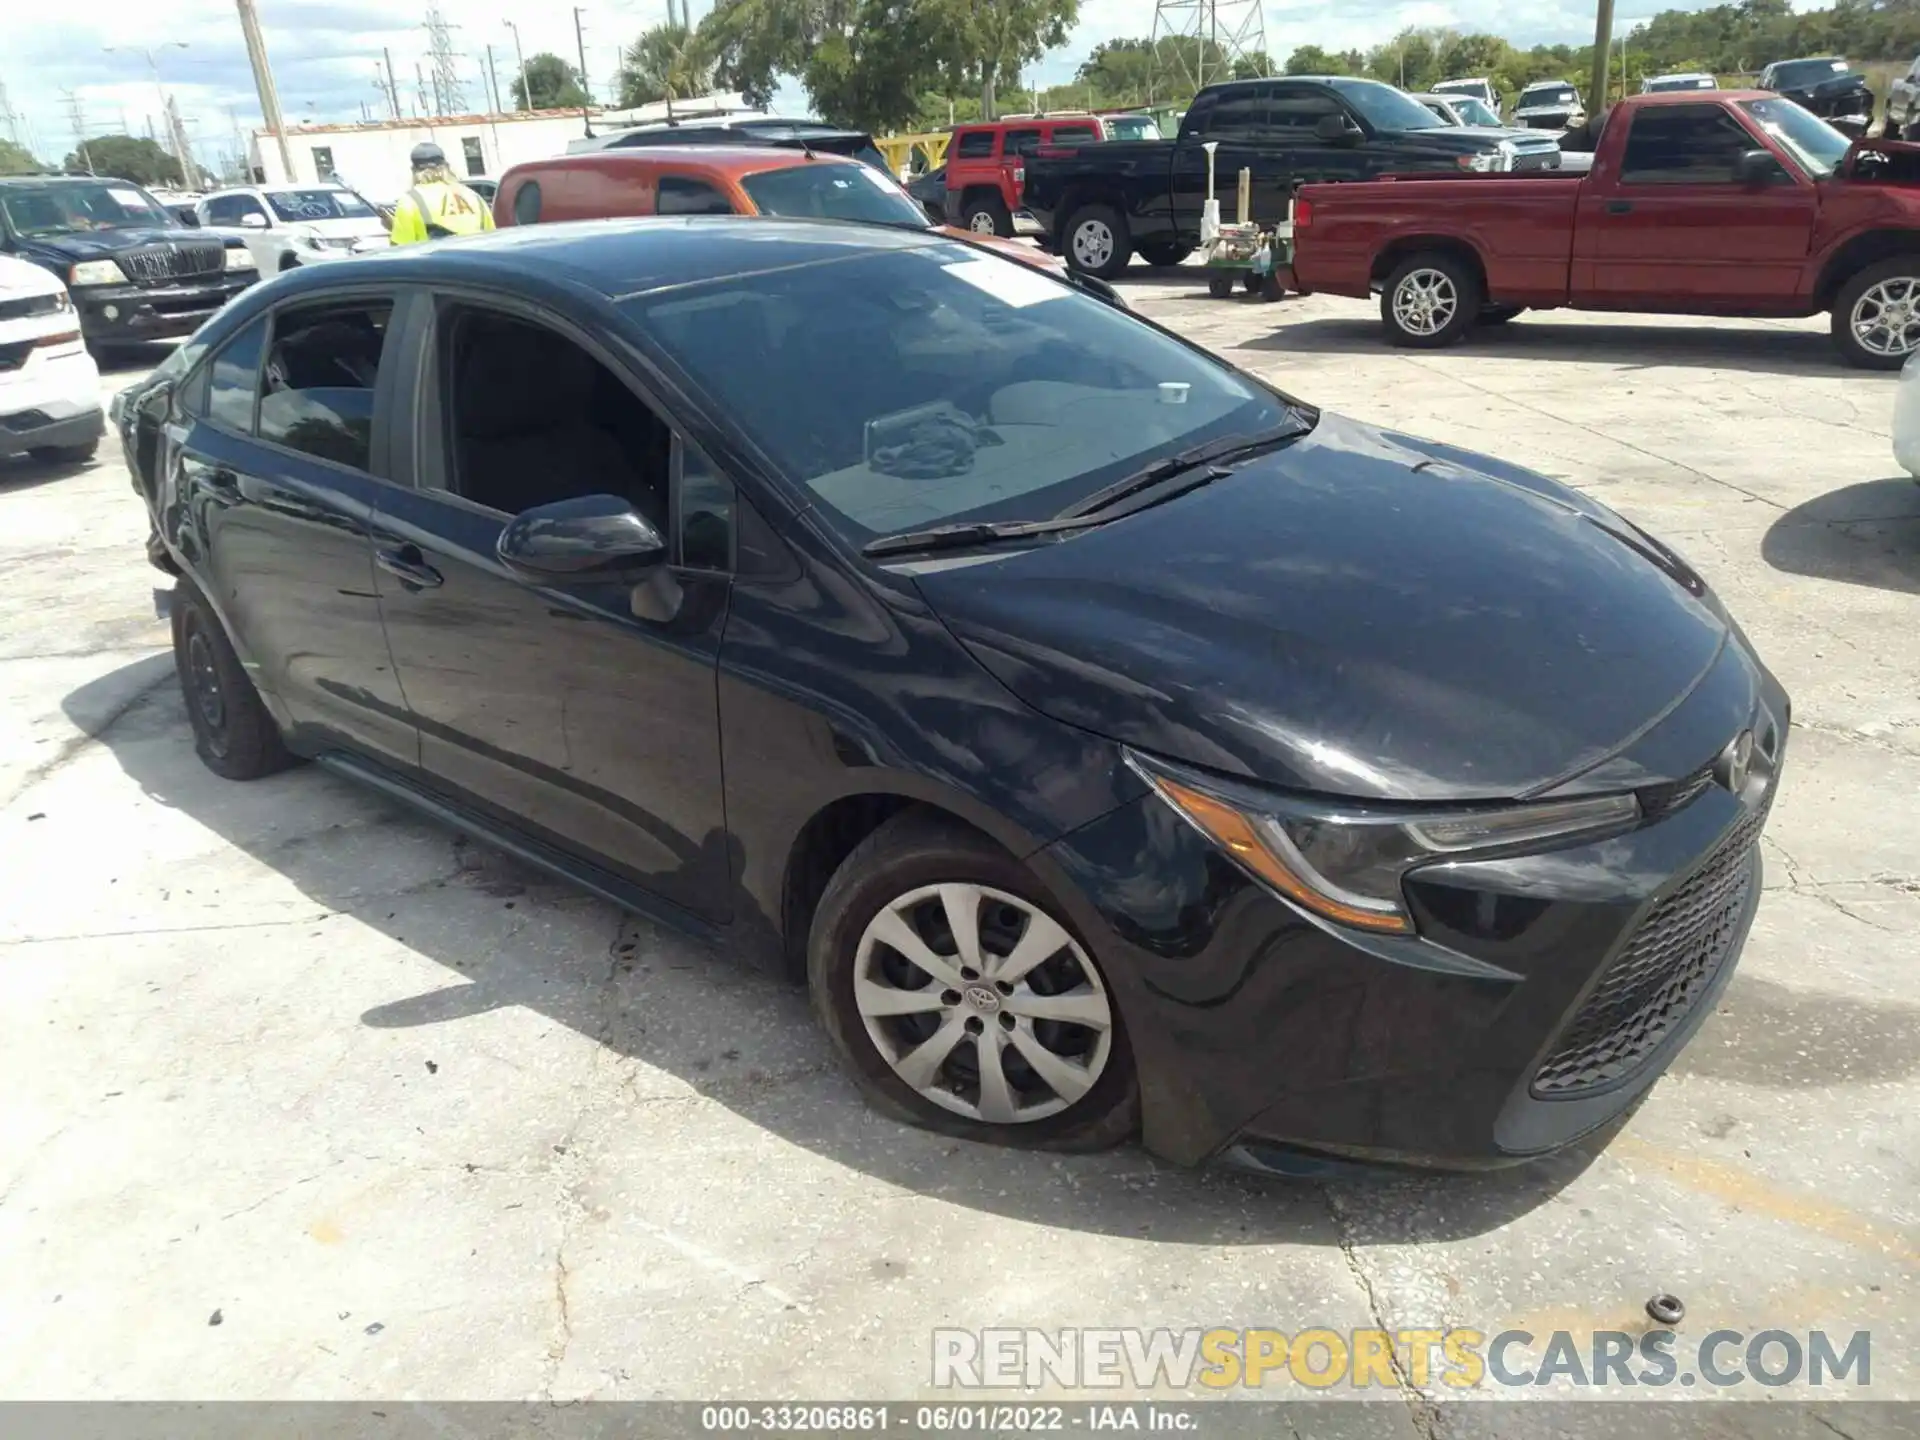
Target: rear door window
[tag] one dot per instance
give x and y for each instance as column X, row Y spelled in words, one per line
column 1021, row 142
column 1242, row 112
column 316, row 390
column 233, row 379
column 974, row 145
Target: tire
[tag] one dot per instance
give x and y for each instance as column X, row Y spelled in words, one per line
column 899, row 878
column 1879, row 286
column 233, row 734
column 1499, row 314
column 289, row 262
column 1271, row 287
column 1220, row 284
column 1164, row 252
column 65, row 454
column 1429, row 301
column 987, row 215
column 1097, row 241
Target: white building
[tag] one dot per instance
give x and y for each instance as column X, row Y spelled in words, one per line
column 373, row 157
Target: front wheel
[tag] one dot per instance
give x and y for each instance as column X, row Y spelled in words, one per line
column 987, row 217
column 1098, row 241
column 1876, row 315
column 1220, row 285
column 1429, row 301
column 959, row 999
column 65, row 454
column 1164, row 252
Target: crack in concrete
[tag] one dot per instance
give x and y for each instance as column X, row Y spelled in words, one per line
column 1422, row 1413
column 33, row 1158
column 275, row 1194
column 71, row 748
column 22, row 940
column 1827, row 1424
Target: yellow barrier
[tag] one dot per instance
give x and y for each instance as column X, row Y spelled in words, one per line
column 899, row 150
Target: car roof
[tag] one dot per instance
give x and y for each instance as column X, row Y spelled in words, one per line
column 53, row 179
column 1547, row 85
column 1692, row 97
column 1466, row 80
column 617, row 258
column 719, row 161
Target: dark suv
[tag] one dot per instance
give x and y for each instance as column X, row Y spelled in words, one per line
column 135, row 272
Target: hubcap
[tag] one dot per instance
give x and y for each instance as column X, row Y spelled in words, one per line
column 203, row 678
column 1886, row 318
column 1092, row 243
column 982, row 1003
column 1424, row 302
column 982, row 223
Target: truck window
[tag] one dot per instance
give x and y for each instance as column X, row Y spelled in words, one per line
column 1297, row 108
column 1073, row 135
column 1020, row 142
column 1684, row 145
column 1241, row 112
column 975, row 145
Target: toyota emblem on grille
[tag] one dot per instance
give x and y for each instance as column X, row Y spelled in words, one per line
column 1735, row 762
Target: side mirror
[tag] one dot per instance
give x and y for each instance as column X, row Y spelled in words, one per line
column 253, row 220
column 1336, row 128
column 1756, row 167
column 188, row 217
column 596, row 537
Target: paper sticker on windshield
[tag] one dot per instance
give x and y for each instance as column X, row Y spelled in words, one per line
column 127, row 197
column 1007, row 281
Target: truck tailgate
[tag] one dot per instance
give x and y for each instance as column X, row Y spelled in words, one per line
column 1520, row 226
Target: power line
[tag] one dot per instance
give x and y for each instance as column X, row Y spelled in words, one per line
column 1222, row 35
column 447, row 89
column 78, row 118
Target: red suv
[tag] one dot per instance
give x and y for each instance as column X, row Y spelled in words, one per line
column 987, row 165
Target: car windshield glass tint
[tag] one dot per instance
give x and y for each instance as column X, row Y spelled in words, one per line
column 1132, row 127
column 913, row 387
column 826, row 191
column 1472, row 111
column 1552, row 95
column 1384, row 107
column 1684, row 82
column 298, row 205
column 75, row 208
column 1797, row 73
column 1809, row 139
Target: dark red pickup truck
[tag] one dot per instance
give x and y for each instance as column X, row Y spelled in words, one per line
column 1733, row 203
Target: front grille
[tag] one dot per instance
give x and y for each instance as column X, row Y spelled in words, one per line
column 1659, row 800
column 158, row 263
column 27, row 420
column 1654, row 982
column 13, row 356
column 1537, row 160
column 30, row 305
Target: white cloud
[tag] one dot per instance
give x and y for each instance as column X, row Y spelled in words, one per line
column 325, row 52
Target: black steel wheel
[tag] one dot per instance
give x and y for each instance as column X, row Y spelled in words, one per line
column 233, row 734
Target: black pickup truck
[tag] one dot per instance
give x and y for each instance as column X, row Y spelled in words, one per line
column 1101, row 203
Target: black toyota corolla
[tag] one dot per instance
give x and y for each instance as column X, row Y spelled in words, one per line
column 1110, row 742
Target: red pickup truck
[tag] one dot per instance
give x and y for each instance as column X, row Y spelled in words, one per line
column 1730, row 203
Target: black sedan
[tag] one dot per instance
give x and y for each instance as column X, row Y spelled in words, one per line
column 1110, row 742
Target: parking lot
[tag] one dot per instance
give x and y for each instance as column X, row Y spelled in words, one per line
column 308, row 1098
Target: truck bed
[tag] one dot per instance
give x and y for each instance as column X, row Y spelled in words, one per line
column 1521, row 225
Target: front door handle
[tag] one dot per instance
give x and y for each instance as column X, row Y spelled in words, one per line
column 1619, row 207
column 406, row 562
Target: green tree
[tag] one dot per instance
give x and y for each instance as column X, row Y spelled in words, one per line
column 126, row 157
column 668, row 61
column 554, row 83
column 983, row 44
column 17, row 160
column 1312, row 60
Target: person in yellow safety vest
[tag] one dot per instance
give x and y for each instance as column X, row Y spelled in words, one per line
column 438, row 205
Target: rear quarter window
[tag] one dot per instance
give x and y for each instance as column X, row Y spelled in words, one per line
column 1074, row 134
column 974, row 145
column 526, row 203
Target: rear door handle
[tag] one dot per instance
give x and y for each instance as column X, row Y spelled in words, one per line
column 1619, row 207
column 406, row 562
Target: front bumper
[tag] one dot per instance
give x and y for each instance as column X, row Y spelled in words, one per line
column 35, row 430
column 51, row 401
column 1542, row 996
column 1024, row 223
column 130, row 313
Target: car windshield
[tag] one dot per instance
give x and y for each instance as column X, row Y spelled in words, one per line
column 1384, row 107
column 823, row 190
column 1472, row 111
column 1792, row 74
column 910, row 387
column 1680, row 82
column 298, row 205
column 1547, row 95
column 70, row 207
column 1132, row 127
column 1809, row 139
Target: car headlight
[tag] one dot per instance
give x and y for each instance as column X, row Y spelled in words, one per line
column 238, row 258
column 1345, row 860
column 1498, row 158
column 97, row 272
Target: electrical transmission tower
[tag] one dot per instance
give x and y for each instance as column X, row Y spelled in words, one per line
column 7, row 117
column 78, row 117
column 1212, row 39
column 442, row 57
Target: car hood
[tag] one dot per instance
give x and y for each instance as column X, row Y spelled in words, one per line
column 20, row 280
column 1833, row 88
column 104, row 244
column 361, row 227
column 1360, row 614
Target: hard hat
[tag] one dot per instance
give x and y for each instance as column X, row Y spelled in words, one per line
column 428, row 153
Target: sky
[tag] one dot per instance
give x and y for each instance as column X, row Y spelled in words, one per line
column 325, row 52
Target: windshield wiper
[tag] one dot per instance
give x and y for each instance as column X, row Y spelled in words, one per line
column 1226, row 447
column 968, row 532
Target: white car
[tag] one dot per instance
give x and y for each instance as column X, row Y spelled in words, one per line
column 49, row 385
column 1906, row 417
column 289, row 225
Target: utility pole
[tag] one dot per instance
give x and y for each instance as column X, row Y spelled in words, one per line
column 493, row 82
column 177, row 134
column 78, row 118
column 586, row 88
column 393, row 90
column 263, row 81
column 526, row 90
column 420, row 85
column 1602, row 49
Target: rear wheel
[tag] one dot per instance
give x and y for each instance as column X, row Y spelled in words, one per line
column 958, row 998
column 1164, row 252
column 986, row 215
column 1098, row 241
column 1220, row 284
column 289, row 262
column 1429, row 301
column 1876, row 315
column 232, row 732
